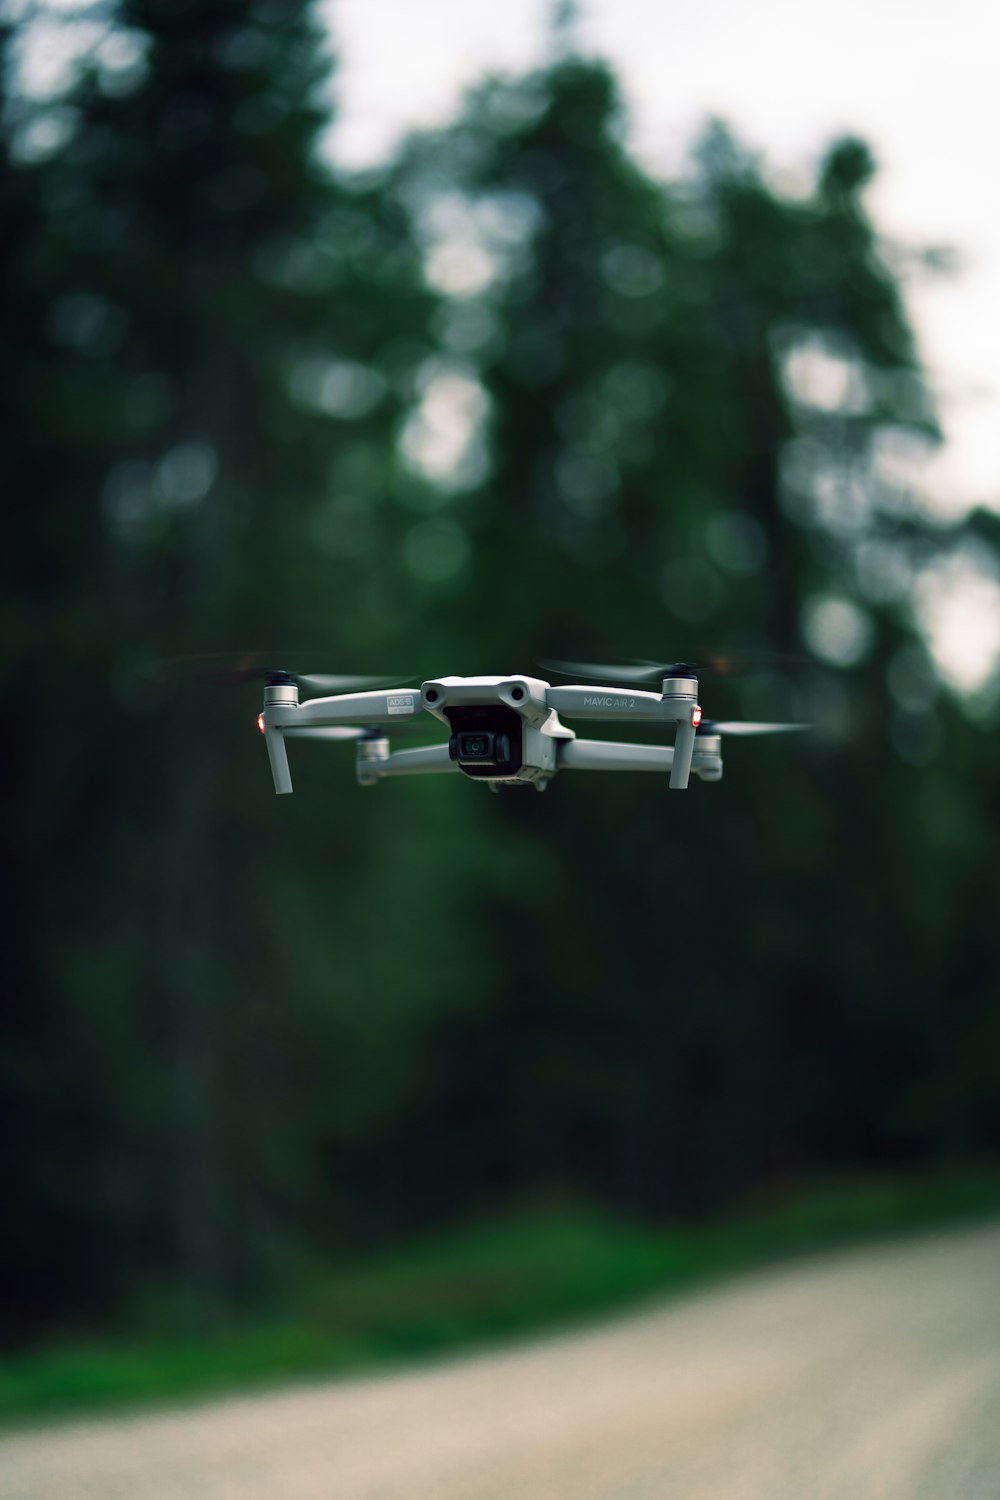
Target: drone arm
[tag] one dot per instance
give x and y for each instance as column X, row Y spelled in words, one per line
column 609, row 755
column 278, row 757
column 283, row 714
column 684, row 739
column 346, row 708
column 613, row 703
column 624, row 703
column 375, row 760
column 418, row 761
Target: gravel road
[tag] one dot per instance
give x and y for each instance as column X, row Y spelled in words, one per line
column 870, row 1376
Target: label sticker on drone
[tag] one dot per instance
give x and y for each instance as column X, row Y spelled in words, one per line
column 619, row 700
column 401, row 704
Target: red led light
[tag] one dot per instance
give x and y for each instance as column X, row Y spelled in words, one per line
column 696, row 717
column 260, row 722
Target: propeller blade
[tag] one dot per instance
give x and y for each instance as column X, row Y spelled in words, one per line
column 328, row 732
column 603, row 671
column 233, row 668
column 703, row 663
column 744, row 727
column 349, row 731
column 346, row 684
column 720, row 662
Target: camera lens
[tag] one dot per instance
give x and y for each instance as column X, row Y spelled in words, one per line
column 481, row 750
column 475, row 746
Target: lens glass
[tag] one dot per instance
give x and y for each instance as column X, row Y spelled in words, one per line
column 475, row 746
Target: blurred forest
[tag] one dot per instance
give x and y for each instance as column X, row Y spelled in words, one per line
column 507, row 397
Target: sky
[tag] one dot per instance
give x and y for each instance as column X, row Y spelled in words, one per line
column 916, row 79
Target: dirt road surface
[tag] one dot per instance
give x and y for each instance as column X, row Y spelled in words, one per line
column 870, row 1376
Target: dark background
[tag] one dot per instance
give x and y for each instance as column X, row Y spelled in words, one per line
column 507, row 398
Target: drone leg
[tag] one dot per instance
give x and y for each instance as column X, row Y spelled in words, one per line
column 278, row 756
column 680, row 770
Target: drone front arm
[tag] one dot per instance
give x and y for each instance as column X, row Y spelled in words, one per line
column 613, row 703
column 628, row 703
column 346, row 708
column 278, row 757
column 684, row 739
column 284, row 714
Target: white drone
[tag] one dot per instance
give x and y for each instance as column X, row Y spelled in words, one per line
column 507, row 730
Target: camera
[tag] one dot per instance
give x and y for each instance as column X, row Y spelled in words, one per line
column 486, row 741
column 483, row 747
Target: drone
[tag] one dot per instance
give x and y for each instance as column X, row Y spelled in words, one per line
column 508, row 730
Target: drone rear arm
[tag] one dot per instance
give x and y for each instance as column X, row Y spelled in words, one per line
column 376, row 760
column 612, row 755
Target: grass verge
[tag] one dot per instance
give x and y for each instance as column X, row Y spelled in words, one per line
column 519, row 1274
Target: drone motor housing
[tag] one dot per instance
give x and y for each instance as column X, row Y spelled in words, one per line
column 706, row 763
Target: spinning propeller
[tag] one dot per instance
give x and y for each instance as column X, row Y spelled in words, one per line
column 233, row 668
column 745, row 727
column 228, row 669
column 706, row 663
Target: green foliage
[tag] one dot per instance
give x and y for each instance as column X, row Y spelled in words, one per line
column 487, row 1282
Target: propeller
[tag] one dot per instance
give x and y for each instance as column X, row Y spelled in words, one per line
column 232, row 668
column 744, row 727
column 708, row 663
column 626, row 672
column 339, row 731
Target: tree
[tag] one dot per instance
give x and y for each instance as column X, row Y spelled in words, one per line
column 219, row 307
column 698, row 412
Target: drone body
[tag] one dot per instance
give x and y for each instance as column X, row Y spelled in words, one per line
column 503, row 731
